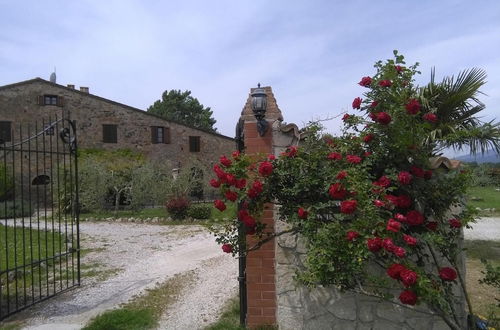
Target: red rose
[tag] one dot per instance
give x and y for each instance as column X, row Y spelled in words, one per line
column 404, row 201
column 224, row 161
column 236, row 154
column 346, row 117
column 414, row 218
column 353, row 159
column 214, row 183
column 336, row 191
column 252, row 193
column 356, row 104
column 399, row 217
column 373, row 116
column 352, row 235
column 430, row 117
column 228, row 248
column 393, row 225
column 292, row 151
column 428, row 174
column 265, row 168
column 408, row 277
column 447, row 274
column 240, row 184
column 388, row 244
column 398, row 68
column 399, row 251
column 231, row 195
column 365, row 81
column 408, row 297
column 383, row 181
column 334, row 156
column 220, row 205
column 395, row 270
column 230, row 179
column 302, row 213
column 368, row 138
column 255, row 190
column 455, row 223
column 378, row 203
column 341, row 175
column 271, row 157
column 219, row 172
column 431, row 225
column 412, row 107
column 374, row 104
column 385, row 83
column 404, row 177
column 374, row 244
column 383, row 118
column 348, row 206
column 367, row 154
column 410, row 240
column 417, row 171
column 246, row 218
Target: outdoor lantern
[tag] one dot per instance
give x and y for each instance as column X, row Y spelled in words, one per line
column 259, row 106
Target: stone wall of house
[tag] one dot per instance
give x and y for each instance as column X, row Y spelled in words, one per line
column 299, row 307
column 19, row 104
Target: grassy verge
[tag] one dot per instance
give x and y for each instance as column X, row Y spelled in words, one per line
column 142, row 312
column 215, row 216
column 18, row 248
column 485, row 198
column 482, row 296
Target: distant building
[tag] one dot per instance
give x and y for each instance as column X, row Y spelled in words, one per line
column 106, row 124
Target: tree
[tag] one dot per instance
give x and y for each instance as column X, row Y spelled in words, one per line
column 456, row 104
column 185, row 109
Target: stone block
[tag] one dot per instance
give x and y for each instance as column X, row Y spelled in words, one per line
column 381, row 324
column 390, row 312
column 344, row 308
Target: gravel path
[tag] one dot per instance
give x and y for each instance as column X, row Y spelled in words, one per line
column 484, row 229
column 144, row 255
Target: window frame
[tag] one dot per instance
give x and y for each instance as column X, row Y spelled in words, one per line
column 194, row 143
column 108, row 137
column 8, row 135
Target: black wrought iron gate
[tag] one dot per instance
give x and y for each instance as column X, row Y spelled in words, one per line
column 39, row 232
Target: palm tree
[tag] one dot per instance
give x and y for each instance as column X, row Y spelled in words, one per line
column 456, row 104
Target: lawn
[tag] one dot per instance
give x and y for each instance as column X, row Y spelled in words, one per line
column 43, row 244
column 485, row 198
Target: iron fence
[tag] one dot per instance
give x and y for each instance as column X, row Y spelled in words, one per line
column 39, row 232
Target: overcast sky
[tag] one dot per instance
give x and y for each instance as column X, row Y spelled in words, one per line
column 311, row 52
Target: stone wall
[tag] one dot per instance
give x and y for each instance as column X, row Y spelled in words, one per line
column 19, row 104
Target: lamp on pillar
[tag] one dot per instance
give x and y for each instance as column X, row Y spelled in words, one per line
column 259, row 107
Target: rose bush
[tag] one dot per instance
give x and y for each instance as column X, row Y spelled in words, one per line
column 366, row 198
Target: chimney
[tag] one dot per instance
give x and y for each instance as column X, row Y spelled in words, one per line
column 71, row 86
column 84, row 89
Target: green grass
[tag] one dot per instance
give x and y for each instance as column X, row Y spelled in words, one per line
column 142, row 312
column 141, row 214
column 161, row 213
column 485, row 198
column 44, row 243
column 123, row 319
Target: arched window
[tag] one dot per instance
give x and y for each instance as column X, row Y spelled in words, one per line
column 41, row 180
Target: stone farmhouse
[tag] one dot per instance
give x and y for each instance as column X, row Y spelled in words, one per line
column 105, row 124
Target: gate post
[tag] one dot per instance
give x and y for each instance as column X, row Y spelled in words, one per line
column 260, row 264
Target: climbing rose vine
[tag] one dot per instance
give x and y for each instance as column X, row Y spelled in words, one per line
column 373, row 212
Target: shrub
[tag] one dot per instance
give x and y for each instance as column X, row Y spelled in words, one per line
column 177, row 207
column 200, row 211
column 18, row 208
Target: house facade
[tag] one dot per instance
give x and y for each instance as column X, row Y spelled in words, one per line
column 104, row 124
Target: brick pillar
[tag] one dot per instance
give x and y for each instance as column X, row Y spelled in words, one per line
column 260, row 267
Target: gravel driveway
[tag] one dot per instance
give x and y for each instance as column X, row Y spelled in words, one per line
column 139, row 256
column 484, row 229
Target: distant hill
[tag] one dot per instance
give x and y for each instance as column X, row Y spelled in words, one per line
column 489, row 157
